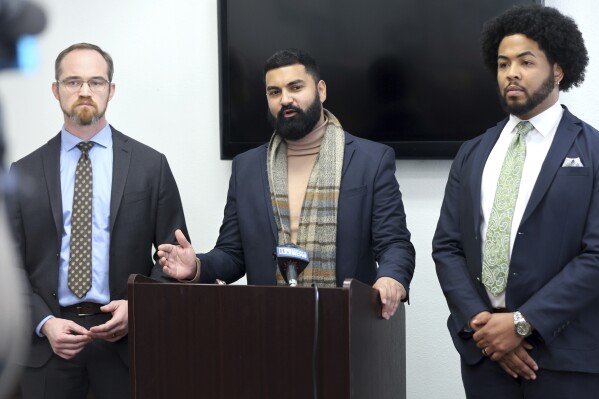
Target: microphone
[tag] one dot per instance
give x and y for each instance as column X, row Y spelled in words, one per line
column 292, row 260
column 20, row 18
column 18, row 21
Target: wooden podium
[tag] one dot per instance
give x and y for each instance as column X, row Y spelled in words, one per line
column 235, row 341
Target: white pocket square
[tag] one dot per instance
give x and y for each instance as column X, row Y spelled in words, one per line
column 572, row 163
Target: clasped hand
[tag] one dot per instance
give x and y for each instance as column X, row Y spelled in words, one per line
column 68, row 338
column 494, row 335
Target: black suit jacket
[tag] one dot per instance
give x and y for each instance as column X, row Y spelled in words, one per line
column 371, row 223
column 554, row 269
column 145, row 211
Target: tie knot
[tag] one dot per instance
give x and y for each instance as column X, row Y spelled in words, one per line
column 84, row 146
column 524, row 127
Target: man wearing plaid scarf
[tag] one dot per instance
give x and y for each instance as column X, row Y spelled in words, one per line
column 314, row 186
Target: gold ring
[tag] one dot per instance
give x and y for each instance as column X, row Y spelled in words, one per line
column 485, row 354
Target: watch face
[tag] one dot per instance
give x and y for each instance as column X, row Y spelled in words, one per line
column 523, row 329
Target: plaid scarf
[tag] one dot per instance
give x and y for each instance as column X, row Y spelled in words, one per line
column 318, row 221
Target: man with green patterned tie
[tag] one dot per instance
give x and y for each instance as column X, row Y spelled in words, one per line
column 517, row 244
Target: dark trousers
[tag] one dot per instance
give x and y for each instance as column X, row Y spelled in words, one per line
column 97, row 368
column 487, row 380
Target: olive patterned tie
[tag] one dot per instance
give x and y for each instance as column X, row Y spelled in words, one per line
column 496, row 252
column 80, row 259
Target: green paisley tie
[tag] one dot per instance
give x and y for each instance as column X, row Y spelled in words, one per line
column 496, row 252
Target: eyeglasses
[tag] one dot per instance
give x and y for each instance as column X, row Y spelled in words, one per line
column 97, row 85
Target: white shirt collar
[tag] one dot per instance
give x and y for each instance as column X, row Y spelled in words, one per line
column 544, row 123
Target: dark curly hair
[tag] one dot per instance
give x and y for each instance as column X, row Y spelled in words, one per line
column 556, row 34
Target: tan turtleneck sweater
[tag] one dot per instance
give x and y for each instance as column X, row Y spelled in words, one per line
column 301, row 155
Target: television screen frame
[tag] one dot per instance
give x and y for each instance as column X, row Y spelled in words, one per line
column 378, row 98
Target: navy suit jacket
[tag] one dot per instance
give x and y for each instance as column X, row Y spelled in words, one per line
column 554, row 269
column 371, row 221
column 145, row 211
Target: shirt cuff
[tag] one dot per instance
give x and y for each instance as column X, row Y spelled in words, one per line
column 38, row 329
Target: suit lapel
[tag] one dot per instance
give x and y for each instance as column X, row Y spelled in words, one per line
column 348, row 154
column 266, row 192
column 51, row 164
column 121, row 150
column 562, row 142
column 488, row 141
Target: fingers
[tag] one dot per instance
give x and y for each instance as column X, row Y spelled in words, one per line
column 66, row 337
column 71, row 341
column 109, row 308
column 526, row 345
column 165, row 249
column 75, row 329
column 526, row 365
column 181, row 239
column 478, row 321
column 115, row 328
column 519, row 363
column 507, row 369
column 391, row 293
column 496, row 356
column 108, row 333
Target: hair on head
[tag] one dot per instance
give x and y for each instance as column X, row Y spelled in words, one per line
column 293, row 56
column 556, row 34
column 83, row 46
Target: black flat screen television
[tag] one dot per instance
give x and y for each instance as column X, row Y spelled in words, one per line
column 407, row 73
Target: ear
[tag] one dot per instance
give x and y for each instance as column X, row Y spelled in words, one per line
column 111, row 87
column 322, row 90
column 558, row 73
column 55, row 90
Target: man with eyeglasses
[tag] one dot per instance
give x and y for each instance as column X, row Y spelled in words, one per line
column 87, row 209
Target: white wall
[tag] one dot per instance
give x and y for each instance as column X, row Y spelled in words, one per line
column 167, row 96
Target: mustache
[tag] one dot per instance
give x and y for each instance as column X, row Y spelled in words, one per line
column 87, row 101
column 289, row 108
column 511, row 86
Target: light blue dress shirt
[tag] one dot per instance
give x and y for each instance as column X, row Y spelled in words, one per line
column 101, row 159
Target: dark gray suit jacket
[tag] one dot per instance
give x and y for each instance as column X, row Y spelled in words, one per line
column 554, row 268
column 145, row 211
column 371, row 223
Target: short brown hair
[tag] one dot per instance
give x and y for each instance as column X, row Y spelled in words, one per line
column 84, row 46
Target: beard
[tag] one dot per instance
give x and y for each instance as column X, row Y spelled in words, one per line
column 84, row 116
column 532, row 101
column 299, row 125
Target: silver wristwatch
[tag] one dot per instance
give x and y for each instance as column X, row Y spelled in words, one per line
column 522, row 327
